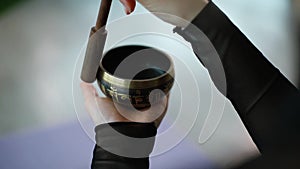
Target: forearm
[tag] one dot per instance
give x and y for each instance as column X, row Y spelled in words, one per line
column 255, row 87
column 114, row 151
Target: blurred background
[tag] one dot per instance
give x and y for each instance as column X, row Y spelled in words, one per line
column 39, row 44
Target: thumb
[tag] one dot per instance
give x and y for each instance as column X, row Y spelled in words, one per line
column 91, row 97
column 129, row 5
column 89, row 91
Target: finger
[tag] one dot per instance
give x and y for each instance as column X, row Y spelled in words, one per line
column 89, row 91
column 129, row 5
column 91, row 97
column 161, row 110
column 155, row 112
column 161, row 106
column 109, row 111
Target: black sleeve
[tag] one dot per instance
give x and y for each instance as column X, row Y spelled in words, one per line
column 266, row 101
column 115, row 148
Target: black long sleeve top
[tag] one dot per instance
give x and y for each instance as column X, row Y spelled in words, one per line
column 268, row 104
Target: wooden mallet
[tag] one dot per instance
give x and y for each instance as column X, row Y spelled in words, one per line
column 96, row 43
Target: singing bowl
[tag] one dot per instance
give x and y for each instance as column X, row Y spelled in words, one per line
column 128, row 74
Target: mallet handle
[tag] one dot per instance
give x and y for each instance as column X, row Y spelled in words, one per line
column 103, row 14
column 96, row 44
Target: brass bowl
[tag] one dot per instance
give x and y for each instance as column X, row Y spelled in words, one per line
column 128, row 74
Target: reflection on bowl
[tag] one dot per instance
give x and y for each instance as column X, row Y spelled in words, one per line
column 128, row 74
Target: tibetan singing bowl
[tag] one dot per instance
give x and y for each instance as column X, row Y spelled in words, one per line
column 128, row 74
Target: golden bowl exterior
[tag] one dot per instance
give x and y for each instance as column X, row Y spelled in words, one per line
column 135, row 91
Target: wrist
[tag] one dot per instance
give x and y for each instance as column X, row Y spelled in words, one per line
column 194, row 9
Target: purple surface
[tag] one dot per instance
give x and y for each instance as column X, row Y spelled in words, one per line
column 67, row 147
column 184, row 156
column 62, row 147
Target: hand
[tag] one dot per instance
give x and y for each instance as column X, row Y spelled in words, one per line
column 186, row 9
column 104, row 110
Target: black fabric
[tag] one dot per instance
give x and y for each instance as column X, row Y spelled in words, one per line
column 266, row 101
column 108, row 141
column 247, row 72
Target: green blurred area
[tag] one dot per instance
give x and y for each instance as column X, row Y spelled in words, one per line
column 7, row 4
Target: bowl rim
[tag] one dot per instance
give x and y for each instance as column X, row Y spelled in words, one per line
column 137, row 83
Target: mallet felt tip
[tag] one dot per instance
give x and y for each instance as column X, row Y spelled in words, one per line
column 96, row 44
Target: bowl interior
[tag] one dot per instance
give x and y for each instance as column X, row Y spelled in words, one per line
column 135, row 62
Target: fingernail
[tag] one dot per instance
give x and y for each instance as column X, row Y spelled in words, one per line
column 128, row 11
